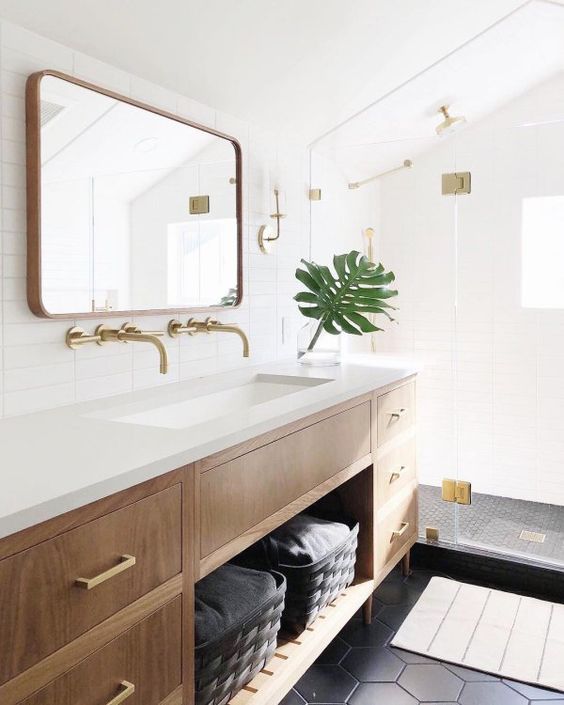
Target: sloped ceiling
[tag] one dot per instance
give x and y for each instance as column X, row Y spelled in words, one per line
column 296, row 66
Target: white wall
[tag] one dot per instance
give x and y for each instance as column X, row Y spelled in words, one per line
column 38, row 370
column 491, row 398
column 339, row 219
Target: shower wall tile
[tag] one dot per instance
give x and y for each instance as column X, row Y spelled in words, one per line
column 495, row 366
column 37, row 370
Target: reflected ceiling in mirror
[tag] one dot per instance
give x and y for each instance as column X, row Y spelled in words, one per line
column 129, row 209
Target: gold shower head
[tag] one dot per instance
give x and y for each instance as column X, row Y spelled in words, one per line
column 450, row 123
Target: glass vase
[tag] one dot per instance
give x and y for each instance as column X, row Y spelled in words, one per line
column 318, row 349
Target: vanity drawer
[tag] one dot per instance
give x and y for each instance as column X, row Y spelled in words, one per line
column 241, row 493
column 396, row 412
column 395, row 470
column 396, row 527
column 44, row 605
column 145, row 660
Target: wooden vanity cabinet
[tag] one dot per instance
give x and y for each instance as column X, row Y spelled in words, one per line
column 97, row 605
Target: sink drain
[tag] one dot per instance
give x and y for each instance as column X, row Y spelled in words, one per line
column 533, row 536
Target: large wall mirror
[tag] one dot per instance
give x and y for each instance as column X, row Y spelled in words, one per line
column 129, row 209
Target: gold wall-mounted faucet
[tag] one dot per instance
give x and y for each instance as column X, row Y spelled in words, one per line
column 210, row 325
column 128, row 333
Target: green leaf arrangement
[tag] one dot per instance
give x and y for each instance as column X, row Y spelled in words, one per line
column 340, row 301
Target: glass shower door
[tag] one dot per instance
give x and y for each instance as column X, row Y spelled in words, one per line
column 509, row 328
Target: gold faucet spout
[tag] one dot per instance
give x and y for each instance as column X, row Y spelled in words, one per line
column 128, row 337
column 210, row 325
column 225, row 328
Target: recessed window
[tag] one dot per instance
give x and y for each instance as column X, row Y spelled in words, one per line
column 543, row 252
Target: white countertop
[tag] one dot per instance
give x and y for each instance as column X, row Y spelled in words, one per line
column 57, row 460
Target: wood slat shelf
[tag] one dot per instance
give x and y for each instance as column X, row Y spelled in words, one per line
column 293, row 658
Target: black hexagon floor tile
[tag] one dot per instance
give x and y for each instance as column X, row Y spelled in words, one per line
column 490, row 694
column 292, row 698
column 393, row 592
column 394, row 615
column 373, row 665
column 358, row 634
column 326, row 684
column 410, row 656
column 381, row 694
column 467, row 674
column 533, row 692
column 334, row 653
column 431, row 682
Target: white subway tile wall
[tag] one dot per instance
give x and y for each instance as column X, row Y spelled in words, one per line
column 38, row 371
column 491, row 396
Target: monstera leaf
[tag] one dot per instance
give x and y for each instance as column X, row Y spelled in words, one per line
column 340, row 301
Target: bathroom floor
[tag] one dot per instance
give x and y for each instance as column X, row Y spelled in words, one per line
column 360, row 668
column 496, row 523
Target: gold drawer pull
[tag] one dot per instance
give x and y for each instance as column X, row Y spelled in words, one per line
column 396, row 474
column 125, row 562
column 127, row 689
column 400, row 532
column 397, row 413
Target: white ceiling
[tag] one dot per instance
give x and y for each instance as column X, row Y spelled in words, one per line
column 300, row 66
column 508, row 60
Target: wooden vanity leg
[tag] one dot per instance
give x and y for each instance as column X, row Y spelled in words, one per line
column 405, row 569
column 367, row 611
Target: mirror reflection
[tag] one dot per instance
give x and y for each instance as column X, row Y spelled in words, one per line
column 138, row 210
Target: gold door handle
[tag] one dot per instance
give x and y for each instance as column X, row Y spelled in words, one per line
column 125, row 562
column 400, row 532
column 397, row 413
column 126, row 689
column 396, row 474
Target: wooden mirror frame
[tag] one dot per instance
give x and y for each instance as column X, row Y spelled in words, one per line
column 33, row 182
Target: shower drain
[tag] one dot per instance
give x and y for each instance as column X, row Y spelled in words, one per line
column 533, row 536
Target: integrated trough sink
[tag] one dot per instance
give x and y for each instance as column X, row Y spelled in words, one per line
column 237, row 399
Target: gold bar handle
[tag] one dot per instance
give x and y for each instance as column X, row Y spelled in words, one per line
column 397, row 413
column 127, row 689
column 125, row 562
column 396, row 474
column 400, row 532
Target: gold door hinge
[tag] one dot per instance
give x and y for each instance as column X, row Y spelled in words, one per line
column 199, row 205
column 458, row 491
column 457, row 183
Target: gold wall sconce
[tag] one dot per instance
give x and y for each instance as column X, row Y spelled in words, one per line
column 266, row 233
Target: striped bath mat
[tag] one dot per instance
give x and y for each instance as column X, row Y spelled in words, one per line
column 488, row 630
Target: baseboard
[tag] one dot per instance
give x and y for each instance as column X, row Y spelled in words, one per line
column 476, row 565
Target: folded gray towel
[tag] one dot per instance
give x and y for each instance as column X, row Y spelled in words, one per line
column 228, row 596
column 307, row 539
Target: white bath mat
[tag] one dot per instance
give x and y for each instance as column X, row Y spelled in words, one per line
column 488, row 630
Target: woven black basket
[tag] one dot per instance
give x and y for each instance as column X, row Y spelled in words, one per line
column 224, row 665
column 312, row 587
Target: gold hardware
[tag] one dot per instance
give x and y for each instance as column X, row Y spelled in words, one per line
column 77, row 336
column 456, row 183
column 106, row 307
column 396, row 474
column 127, row 689
column 175, row 328
column 397, row 413
column 199, row 205
column 265, row 235
column 431, row 533
column 128, row 333
column 315, row 194
column 210, row 325
column 407, row 164
column 125, row 562
column 457, row 491
column 401, row 531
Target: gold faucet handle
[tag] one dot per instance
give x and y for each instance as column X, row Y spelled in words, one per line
column 132, row 328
